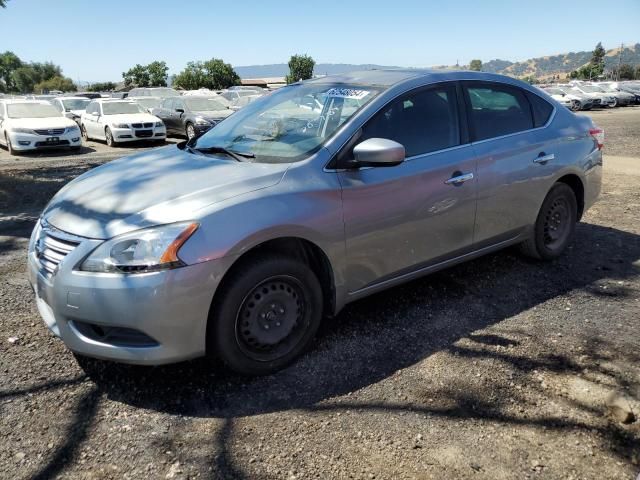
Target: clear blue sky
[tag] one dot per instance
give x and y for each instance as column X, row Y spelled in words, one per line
column 94, row 40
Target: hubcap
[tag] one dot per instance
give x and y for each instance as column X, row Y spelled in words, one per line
column 556, row 225
column 270, row 321
column 190, row 132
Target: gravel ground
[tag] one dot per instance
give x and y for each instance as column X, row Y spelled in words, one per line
column 500, row 368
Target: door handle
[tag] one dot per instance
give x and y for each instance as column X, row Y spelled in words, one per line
column 459, row 178
column 542, row 158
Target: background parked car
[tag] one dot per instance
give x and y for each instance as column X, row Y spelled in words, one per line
column 578, row 102
column 71, row 107
column 191, row 116
column 623, row 98
column 117, row 121
column 240, row 97
column 148, row 103
column 33, row 125
column 599, row 98
column 162, row 92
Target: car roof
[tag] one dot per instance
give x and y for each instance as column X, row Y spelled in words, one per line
column 18, row 100
column 72, row 98
column 390, row 77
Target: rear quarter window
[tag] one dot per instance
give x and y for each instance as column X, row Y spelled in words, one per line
column 541, row 109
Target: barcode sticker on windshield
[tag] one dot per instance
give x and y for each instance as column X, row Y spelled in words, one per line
column 347, row 93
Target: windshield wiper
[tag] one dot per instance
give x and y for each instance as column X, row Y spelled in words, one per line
column 239, row 156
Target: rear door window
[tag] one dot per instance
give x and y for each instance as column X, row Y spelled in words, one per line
column 497, row 110
column 423, row 121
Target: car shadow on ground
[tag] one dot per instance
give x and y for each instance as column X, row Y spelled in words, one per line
column 373, row 338
column 55, row 152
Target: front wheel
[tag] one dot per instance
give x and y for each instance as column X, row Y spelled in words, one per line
column 9, row 145
column 555, row 225
column 614, row 104
column 83, row 131
column 575, row 106
column 265, row 315
column 109, row 136
column 191, row 131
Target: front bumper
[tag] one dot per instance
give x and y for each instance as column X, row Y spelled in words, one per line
column 158, row 317
column 31, row 141
column 136, row 134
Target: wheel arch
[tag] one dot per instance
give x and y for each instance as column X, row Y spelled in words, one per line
column 576, row 184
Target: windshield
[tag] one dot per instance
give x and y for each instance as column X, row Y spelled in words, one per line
column 149, row 102
column 76, row 103
column 117, row 108
column 590, row 88
column 164, row 92
column 31, row 110
column 281, row 128
column 555, row 91
column 203, row 104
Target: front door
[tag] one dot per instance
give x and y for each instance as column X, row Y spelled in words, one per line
column 398, row 219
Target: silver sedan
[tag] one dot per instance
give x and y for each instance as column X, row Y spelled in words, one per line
column 239, row 242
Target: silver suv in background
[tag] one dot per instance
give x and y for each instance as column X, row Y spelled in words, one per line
column 237, row 243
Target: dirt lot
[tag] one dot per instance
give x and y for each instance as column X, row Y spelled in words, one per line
column 501, row 368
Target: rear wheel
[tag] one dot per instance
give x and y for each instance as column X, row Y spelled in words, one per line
column 575, row 106
column 109, row 136
column 267, row 314
column 555, row 225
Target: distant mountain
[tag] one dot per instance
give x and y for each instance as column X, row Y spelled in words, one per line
column 561, row 64
column 282, row 69
column 540, row 67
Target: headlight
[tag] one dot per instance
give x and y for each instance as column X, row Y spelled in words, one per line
column 22, row 130
column 72, row 129
column 146, row 250
column 159, row 124
column 202, row 121
column 120, row 125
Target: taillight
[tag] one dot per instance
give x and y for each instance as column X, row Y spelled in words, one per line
column 598, row 136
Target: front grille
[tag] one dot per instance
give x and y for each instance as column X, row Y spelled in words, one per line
column 51, row 131
column 147, row 125
column 144, row 133
column 51, row 247
column 136, row 125
column 142, row 125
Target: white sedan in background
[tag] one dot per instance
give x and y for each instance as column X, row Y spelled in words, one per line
column 71, row 107
column 117, row 121
column 35, row 125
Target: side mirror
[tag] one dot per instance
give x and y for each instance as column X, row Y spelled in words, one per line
column 180, row 110
column 378, row 152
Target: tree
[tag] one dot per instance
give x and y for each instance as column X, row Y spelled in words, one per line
column 137, row 76
column 101, row 87
column 23, row 79
column 3, row 3
column 476, row 65
column 62, row 84
column 158, row 74
column 625, row 72
column 597, row 57
column 300, row 68
column 191, row 78
column 213, row 74
column 9, row 62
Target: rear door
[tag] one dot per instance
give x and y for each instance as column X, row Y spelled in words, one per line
column 508, row 149
column 164, row 113
column 398, row 219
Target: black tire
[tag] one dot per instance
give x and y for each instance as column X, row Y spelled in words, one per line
column 109, row 137
column 9, row 146
column 265, row 315
column 555, row 225
column 83, row 132
column 575, row 106
column 190, row 131
column 614, row 104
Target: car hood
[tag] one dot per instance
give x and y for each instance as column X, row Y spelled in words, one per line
column 156, row 187
column 43, row 123
column 131, row 118
column 213, row 115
